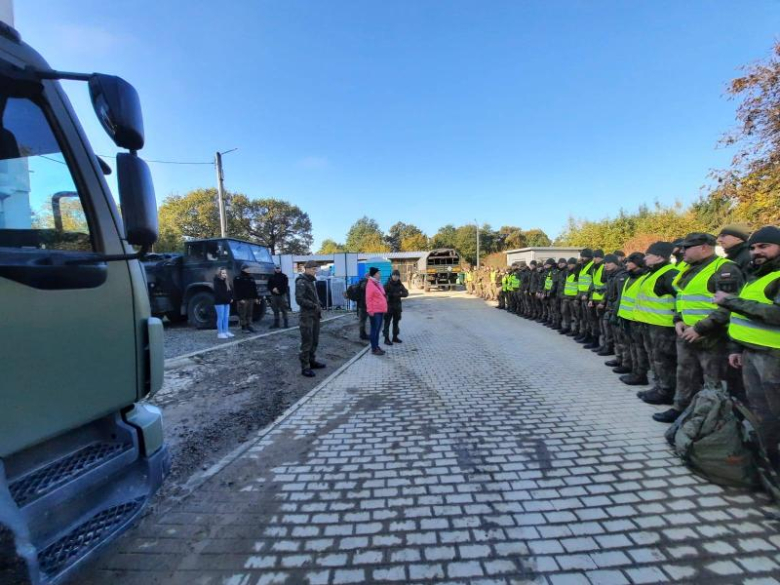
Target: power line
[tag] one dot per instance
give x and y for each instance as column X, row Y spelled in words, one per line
column 165, row 162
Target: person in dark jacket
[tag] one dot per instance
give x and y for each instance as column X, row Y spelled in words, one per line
column 309, row 318
column 245, row 290
column 223, row 297
column 395, row 291
column 279, row 287
column 733, row 239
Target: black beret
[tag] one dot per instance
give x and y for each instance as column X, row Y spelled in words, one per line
column 586, row 253
column 663, row 249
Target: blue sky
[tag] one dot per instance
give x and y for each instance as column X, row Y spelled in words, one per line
column 427, row 112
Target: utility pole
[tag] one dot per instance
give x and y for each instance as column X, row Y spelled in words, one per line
column 221, row 192
column 477, row 224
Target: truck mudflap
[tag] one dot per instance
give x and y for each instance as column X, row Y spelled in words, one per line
column 55, row 516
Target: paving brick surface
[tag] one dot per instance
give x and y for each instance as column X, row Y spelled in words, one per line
column 484, row 449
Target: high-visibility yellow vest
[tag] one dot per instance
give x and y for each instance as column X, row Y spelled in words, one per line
column 585, row 279
column 599, row 286
column 694, row 301
column 682, row 267
column 628, row 298
column 742, row 328
column 505, row 283
column 548, row 281
column 514, row 282
column 649, row 307
column 570, row 288
column 469, row 276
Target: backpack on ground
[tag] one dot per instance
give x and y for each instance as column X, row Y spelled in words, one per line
column 711, row 440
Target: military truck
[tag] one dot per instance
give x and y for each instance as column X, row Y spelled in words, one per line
column 181, row 285
column 441, row 269
column 81, row 453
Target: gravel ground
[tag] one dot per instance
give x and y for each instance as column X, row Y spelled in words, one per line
column 214, row 401
column 181, row 339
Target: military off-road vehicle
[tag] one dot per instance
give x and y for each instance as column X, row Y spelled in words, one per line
column 181, row 285
column 81, row 453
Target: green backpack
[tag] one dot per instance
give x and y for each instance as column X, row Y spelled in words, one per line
column 712, row 440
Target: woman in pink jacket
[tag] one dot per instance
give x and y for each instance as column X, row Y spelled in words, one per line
column 376, row 307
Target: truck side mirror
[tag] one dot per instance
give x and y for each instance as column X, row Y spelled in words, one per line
column 136, row 197
column 118, row 108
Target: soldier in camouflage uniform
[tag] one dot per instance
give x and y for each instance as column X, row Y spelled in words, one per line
column 754, row 328
column 635, row 371
column 309, row 318
column 699, row 323
column 600, row 305
column 620, row 341
column 733, row 239
column 568, row 301
column 556, row 293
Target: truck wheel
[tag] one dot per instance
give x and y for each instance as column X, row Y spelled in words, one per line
column 200, row 310
column 259, row 311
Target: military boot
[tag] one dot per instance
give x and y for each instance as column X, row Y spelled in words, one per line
column 387, row 340
column 621, row 370
column 276, row 324
column 632, row 380
column 307, row 372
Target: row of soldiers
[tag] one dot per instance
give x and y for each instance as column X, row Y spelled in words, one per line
column 679, row 311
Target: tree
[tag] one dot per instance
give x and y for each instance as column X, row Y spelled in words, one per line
column 279, row 225
column 331, row 247
column 537, row 238
column 444, row 238
column 509, row 237
column 403, row 237
column 196, row 215
column 365, row 236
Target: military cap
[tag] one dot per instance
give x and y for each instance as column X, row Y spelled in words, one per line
column 561, row 260
column 766, row 235
column 310, row 264
column 677, row 243
column 610, row 258
column 534, row 263
column 619, row 253
column 697, row 239
column 738, row 230
column 571, row 261
column 549, row 262
column 663, row 249
column 598, row 253
column 522, row 264
column 586, row 253
column 636, row 258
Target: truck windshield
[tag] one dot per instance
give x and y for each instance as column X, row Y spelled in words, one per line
column 40, row 206
column 251, row 252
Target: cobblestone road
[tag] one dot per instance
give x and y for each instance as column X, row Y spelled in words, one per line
column 485, row 449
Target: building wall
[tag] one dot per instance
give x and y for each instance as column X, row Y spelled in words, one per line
column 540, row 254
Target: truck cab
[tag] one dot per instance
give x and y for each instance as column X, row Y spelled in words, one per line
column 181, row 286
column 81, row 452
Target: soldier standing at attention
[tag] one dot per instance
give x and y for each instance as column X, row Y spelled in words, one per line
column 754, row 328
column 279, row 287
column 700, row 324
column 635, row 371
column 654, row 311
column 246, row 297
column 569, row 299
column 309, row 318
column 584, row 282
column 395, row 291
column 595, row 294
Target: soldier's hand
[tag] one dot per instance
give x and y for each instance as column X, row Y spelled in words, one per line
column 735, row 360
column 721, row 296
column 690, row 335
column 679, row 327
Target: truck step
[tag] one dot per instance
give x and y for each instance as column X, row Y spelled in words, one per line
column 38, row 483
column 87, row 536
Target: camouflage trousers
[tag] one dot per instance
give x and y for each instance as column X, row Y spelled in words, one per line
column 309, row 325
column 698, row 366
column 661, row 348
column 502, row 299
column 511, row 301
column 761, row 373
column 585, row 318
column 640, row 363
column 622, row 333
column 607, row 331
column 555, row 310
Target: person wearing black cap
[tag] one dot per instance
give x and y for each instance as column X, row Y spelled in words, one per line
column 309, row 318
column 615, row 283
column 595, row 296
column 569, row 299
column 635, row 363
column 395, row 291
column 584, row 281
column 754, row 328
column 556, row 292
column 699, row 323
column 733, row 239
column 278, row 286
column 245, row 290
column 677, row 254
column 526, row 286
column 621, row 258
column 654, row 309
column 547, row 286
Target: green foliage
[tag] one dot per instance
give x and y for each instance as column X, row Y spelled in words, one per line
column 331, row 247
column 403, row 237
column 444, row 238
column 365, row 236
column 536, row 238
column 280, row 225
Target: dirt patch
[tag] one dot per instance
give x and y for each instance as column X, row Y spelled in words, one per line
column 218, row 400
